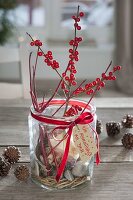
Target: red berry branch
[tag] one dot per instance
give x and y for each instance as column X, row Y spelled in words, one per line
column 91, row 89
column 71, row 71
column 68, row 77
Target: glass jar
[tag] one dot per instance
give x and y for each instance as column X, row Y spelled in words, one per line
column 47, row 145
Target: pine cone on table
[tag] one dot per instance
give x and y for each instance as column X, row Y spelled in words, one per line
column 11, row 154
column 4, row 167
column 22, row 172
column 113, row 128
column 127, row 121
column 99, row 127
column 127, row 141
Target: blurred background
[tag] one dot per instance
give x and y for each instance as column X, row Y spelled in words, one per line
column 106, row 29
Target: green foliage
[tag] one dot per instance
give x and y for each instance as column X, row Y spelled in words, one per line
column 6, row 27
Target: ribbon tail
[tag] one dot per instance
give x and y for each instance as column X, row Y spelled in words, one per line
column 97, row 154
column 65, row 156
column 98, row 158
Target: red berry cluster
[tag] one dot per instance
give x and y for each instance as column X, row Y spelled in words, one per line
column 49, row 60
column 74, row 110
column 73, row 55
column 48, row 56
column 110, row 75
column 36, row 43
column 75, row 42
column 97, row 83
column 77, row 19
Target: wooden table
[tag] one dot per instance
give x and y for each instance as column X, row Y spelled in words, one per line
column 113, row 178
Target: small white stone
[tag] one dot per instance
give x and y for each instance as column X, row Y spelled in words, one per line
column 50, row 158
column 68, row 175
column 36, row 169
column 80, row 169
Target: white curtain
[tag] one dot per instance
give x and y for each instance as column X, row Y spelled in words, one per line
column 124, row 41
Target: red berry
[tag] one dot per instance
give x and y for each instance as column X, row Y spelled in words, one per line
column 46, row 60
column 40, row 44
column 76, row 44
column 63, row 86
column 75, row 92
column 74, row 71
column 76, row 107
column 79, row 108
column 66, row 91
column 71, row 56
column 109, row 78
column 78, row 19
column 76, row 39
column 99, row 88
column 66, row 78
column 87, row 86
column 39, row 53
column 32, row 43
column 49, row 52
column 110, row 73
column 71, row 62
column 103, row 75
column 91, row 91
column 37, row 42
column 57, row 65
column 47, row 56
column 72, row 67
column 76, row 58
column 118, row 67
column 76, row 53
column 81, row 89
column 63, row 74
column 114, row 78
column 78, row 27
column 94, row 83
column 76, row 24
column 81, row 14
column 80, row 39
column 88, row 92
column 102, row 84
column 49, row 63
column 54, row 61
column 74, row 83
column 72, row 76
column 115, row 68
column 97, row 79
column 73, row 17
column 70, row 50
column 71, row 42
column 50, row 57
column 90, row 85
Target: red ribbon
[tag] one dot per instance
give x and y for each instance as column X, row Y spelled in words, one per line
column 84, row 118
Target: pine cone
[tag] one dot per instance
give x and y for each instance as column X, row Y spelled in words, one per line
column 11, row 154
column 113, row 128
column 4, row 167
column 22, row 172
column 99, row 126
column 127, row 121
column 127, row 141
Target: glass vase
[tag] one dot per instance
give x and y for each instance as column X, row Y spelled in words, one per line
column 47, row 146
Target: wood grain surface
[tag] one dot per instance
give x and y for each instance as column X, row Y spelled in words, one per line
column 112, row 180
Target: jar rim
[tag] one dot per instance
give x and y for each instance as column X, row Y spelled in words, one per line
column 82, row 103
